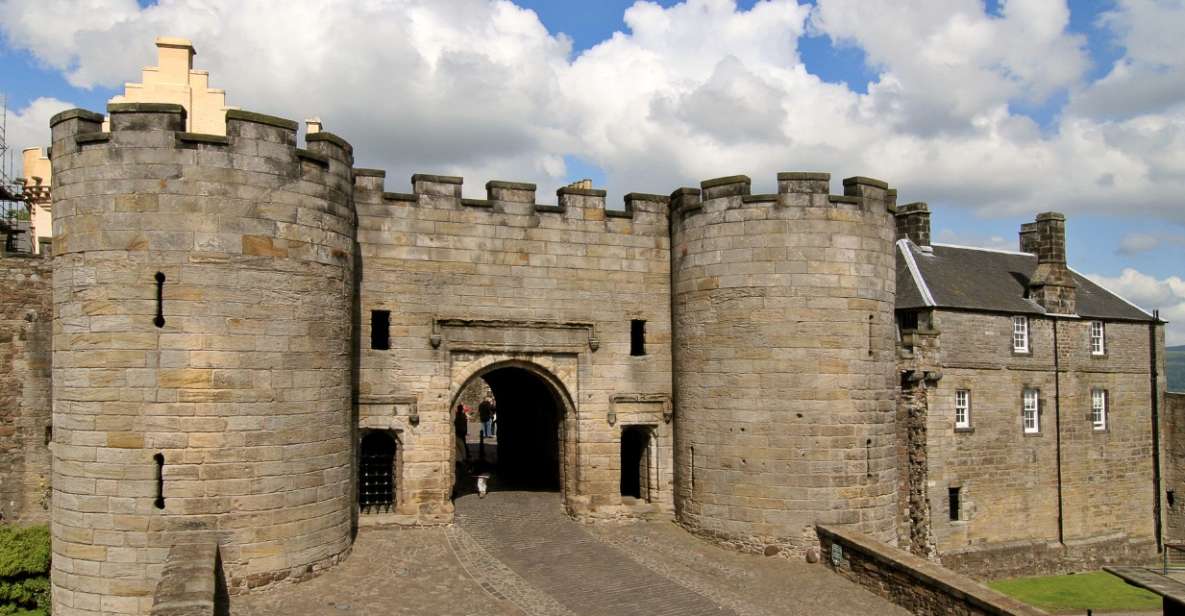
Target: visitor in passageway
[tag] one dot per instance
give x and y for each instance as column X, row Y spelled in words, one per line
column 485, row 411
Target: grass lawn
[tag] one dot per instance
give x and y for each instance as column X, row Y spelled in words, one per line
column 1099, row 591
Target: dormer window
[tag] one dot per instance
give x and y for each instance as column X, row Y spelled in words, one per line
column 1020, row 334
column 1098, row 338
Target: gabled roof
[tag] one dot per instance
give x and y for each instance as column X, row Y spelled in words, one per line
column 967, row 278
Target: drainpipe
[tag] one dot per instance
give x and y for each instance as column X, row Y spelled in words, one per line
column 1155, row 385
column 1057, row 431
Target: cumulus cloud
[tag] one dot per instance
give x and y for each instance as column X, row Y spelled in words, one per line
column 1151, row 293
column 700, row 89
column 1137, row 243
column 29, row 127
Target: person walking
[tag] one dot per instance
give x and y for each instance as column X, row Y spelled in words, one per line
column 485, row 411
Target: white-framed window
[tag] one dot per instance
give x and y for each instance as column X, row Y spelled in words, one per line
column 1098, row 408
column 1031, row 413
column 1098, row 338
column 963, row 408
column 1020, row 334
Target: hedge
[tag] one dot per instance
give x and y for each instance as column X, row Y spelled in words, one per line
column 24, row 570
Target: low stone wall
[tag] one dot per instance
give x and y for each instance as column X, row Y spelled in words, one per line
column 915, row 584
column 1029, row 558
column 192, row 583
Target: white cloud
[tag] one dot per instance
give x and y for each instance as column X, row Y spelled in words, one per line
column 1150, row 293
column 701, row 89
column 1137, row 243
column 995, row 242
column 29, row 128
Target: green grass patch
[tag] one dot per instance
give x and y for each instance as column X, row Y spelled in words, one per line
column 1099, row 591
column 24, row 570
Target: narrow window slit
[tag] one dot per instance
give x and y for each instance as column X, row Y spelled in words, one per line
column 954, row 497
column 159, row 503
column 159, row 320
column 870, row 335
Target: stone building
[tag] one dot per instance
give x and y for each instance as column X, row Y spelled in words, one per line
column 242, row 328
column 1029, row 401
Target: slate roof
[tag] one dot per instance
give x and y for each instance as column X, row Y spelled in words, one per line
column 991, row 280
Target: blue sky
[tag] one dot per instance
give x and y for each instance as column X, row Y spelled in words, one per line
column 1026, row 120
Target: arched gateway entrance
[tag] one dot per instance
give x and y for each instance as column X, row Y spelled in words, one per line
column 528, row 450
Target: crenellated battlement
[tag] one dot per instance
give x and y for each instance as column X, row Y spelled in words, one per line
column 795, row 189
column 507, row 203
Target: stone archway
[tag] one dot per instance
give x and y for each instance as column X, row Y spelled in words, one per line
column 535, row 447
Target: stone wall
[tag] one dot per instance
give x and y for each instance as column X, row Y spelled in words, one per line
column 203, row 288
column 918, row 585
column 1173, row 439
column 26, row 330
column 784, row 356
column 474, row 285
column 1008, row 481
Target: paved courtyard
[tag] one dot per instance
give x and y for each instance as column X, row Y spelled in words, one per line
column 516, row 553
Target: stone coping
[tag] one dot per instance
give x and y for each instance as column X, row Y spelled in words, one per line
column 82, row 138
column 844, row 199
column 203, row 138
column 438, row 179
column 861, row 180
column 397, row 196
column 372, row 173
column 1150, row 580
column 932, row 575
column 804, row 175
column 585, row 192
column 619, row 213
column 912, row 208
column 71, row 114
column 331, row 138
column 766, row 198
column 510, row 185
column 145, row 108
column 725, row 181
column 259, row 118
column 636, row 196
column 549, row 208
column 477, row 202
column 313, row 157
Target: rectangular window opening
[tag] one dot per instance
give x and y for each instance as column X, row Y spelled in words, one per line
column 1020, row 334
column 1098, row 409
column 380, row 329
column 1032, row 412
column 637, row 337
column 1098, row 342
column 963, row 408
column 955, row 503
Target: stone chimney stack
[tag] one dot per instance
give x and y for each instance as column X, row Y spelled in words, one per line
column 1028, row 237
column 1052, row 285
column 913, row 222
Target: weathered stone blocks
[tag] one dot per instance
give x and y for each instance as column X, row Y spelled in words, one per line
column 784, row 377
column 228, row 418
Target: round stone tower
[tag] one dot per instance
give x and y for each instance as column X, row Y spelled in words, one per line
column 203, row 288
column 784, row 360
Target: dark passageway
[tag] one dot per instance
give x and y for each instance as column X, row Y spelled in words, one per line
column 526, row 452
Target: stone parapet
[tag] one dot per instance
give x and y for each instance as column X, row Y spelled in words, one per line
column 918, row 585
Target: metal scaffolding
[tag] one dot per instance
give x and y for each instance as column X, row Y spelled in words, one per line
column 15, row 213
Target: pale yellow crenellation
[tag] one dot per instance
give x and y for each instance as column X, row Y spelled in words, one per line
column 174, row 80
column 38, row 175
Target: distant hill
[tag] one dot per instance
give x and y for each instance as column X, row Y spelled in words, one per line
column 1174, row 365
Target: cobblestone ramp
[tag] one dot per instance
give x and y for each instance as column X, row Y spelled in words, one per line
column 541, row 548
